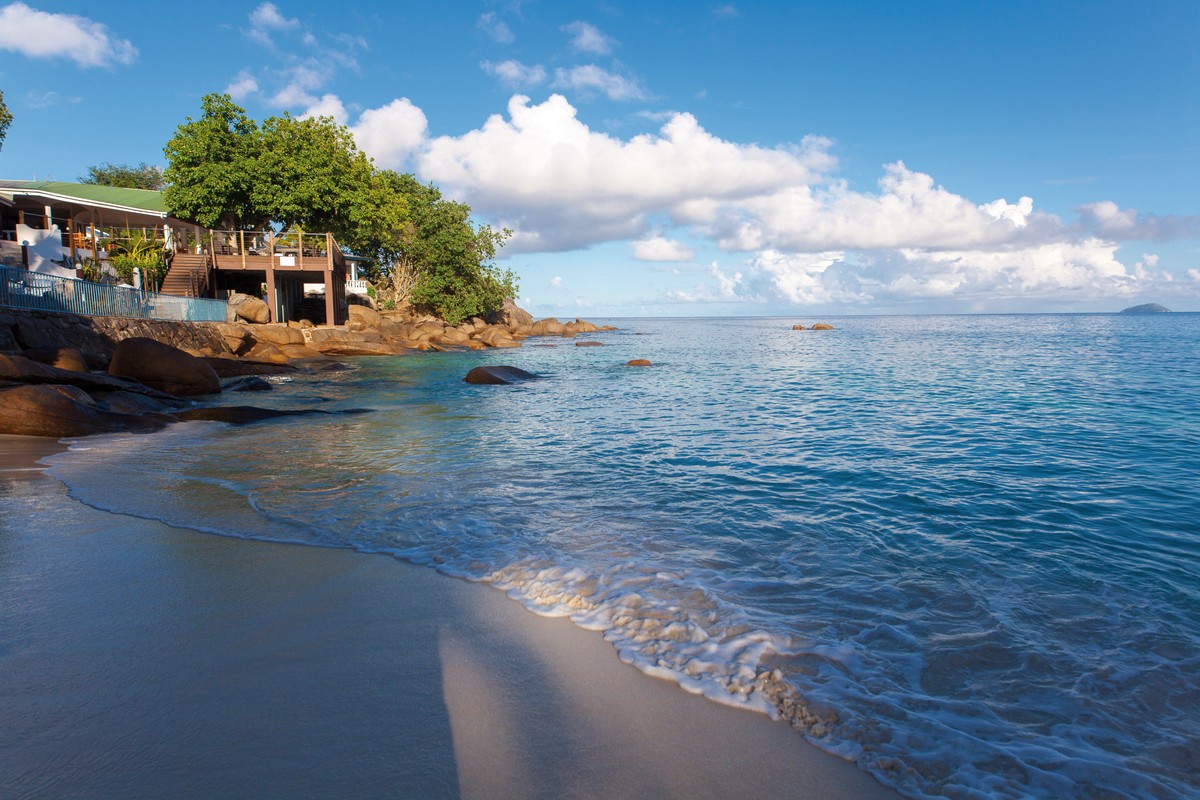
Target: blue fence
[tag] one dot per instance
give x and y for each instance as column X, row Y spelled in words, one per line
column 22, row 289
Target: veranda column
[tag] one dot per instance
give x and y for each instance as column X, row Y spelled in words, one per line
column 330, row 319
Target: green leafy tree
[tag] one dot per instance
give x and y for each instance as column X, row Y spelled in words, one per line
column 6, row 119
column 128, row 176
column 212, row 165
column 379, row 221
column 451, row 261
column 308, row 174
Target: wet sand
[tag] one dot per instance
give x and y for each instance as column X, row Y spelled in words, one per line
column 139, row 660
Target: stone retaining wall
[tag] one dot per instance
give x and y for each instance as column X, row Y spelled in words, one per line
column 25, row 329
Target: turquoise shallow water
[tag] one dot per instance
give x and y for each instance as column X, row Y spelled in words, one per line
column 962, row 551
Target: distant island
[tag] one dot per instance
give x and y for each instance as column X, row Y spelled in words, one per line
column 1147, row 308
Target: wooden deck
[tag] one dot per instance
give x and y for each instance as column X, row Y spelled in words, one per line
column 284, row 269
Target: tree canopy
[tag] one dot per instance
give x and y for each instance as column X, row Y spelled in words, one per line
column 128, row 176
column 210, row 166
column 451, row 261
column 309, row 174
column 226, row 170
column 6, row 119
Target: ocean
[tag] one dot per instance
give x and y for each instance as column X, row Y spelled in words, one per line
column 961, row 551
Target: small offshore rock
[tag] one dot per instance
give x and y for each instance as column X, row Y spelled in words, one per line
column 639, row 362
column 498, row 375
column 797, row 327
column 821, row 326
column 589, row 344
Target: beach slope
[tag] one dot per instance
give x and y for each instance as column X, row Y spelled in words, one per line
column 141, row 660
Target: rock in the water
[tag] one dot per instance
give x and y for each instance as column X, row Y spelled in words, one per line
column 250, row 308
column 248, row 383
column 497, row 375
column 639, row 362
column 822, row 326
column 1147, row 308
column 163, row 367
column 232, row 368
column 547, row 327
column 49, row 410
column 240, row 415
column 589, row 344
column 797, row 327
column 130, row 403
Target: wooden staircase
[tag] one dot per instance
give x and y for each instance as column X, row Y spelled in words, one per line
column 188, row 276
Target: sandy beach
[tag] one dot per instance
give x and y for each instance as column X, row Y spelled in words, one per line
column 141, row 660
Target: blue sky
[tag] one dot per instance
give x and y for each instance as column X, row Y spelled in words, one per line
column 675, row 158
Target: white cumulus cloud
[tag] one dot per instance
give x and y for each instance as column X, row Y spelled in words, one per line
column 659, row 248
column 909, row 210
column 242, row 86
column 563, row 185
column 39, row 34
column 1106, row 218
column 330, row 105
column 390, row 133
column 793, row 230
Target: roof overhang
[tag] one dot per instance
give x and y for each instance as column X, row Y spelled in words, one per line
column 99, row 211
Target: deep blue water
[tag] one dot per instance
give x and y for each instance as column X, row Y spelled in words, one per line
column 962, row 551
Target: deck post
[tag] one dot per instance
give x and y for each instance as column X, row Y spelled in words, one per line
column 242, row 246
column 272, row 303
column 330, row 317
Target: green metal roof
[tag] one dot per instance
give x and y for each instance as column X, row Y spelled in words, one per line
column 144, row 200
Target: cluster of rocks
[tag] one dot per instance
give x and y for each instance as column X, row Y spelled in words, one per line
column 820, row 326
column 66, row 375
column 372, row 332
column 146, row 385
column 368, row 332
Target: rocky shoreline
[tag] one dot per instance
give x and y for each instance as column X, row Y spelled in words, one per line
column 66, row 375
